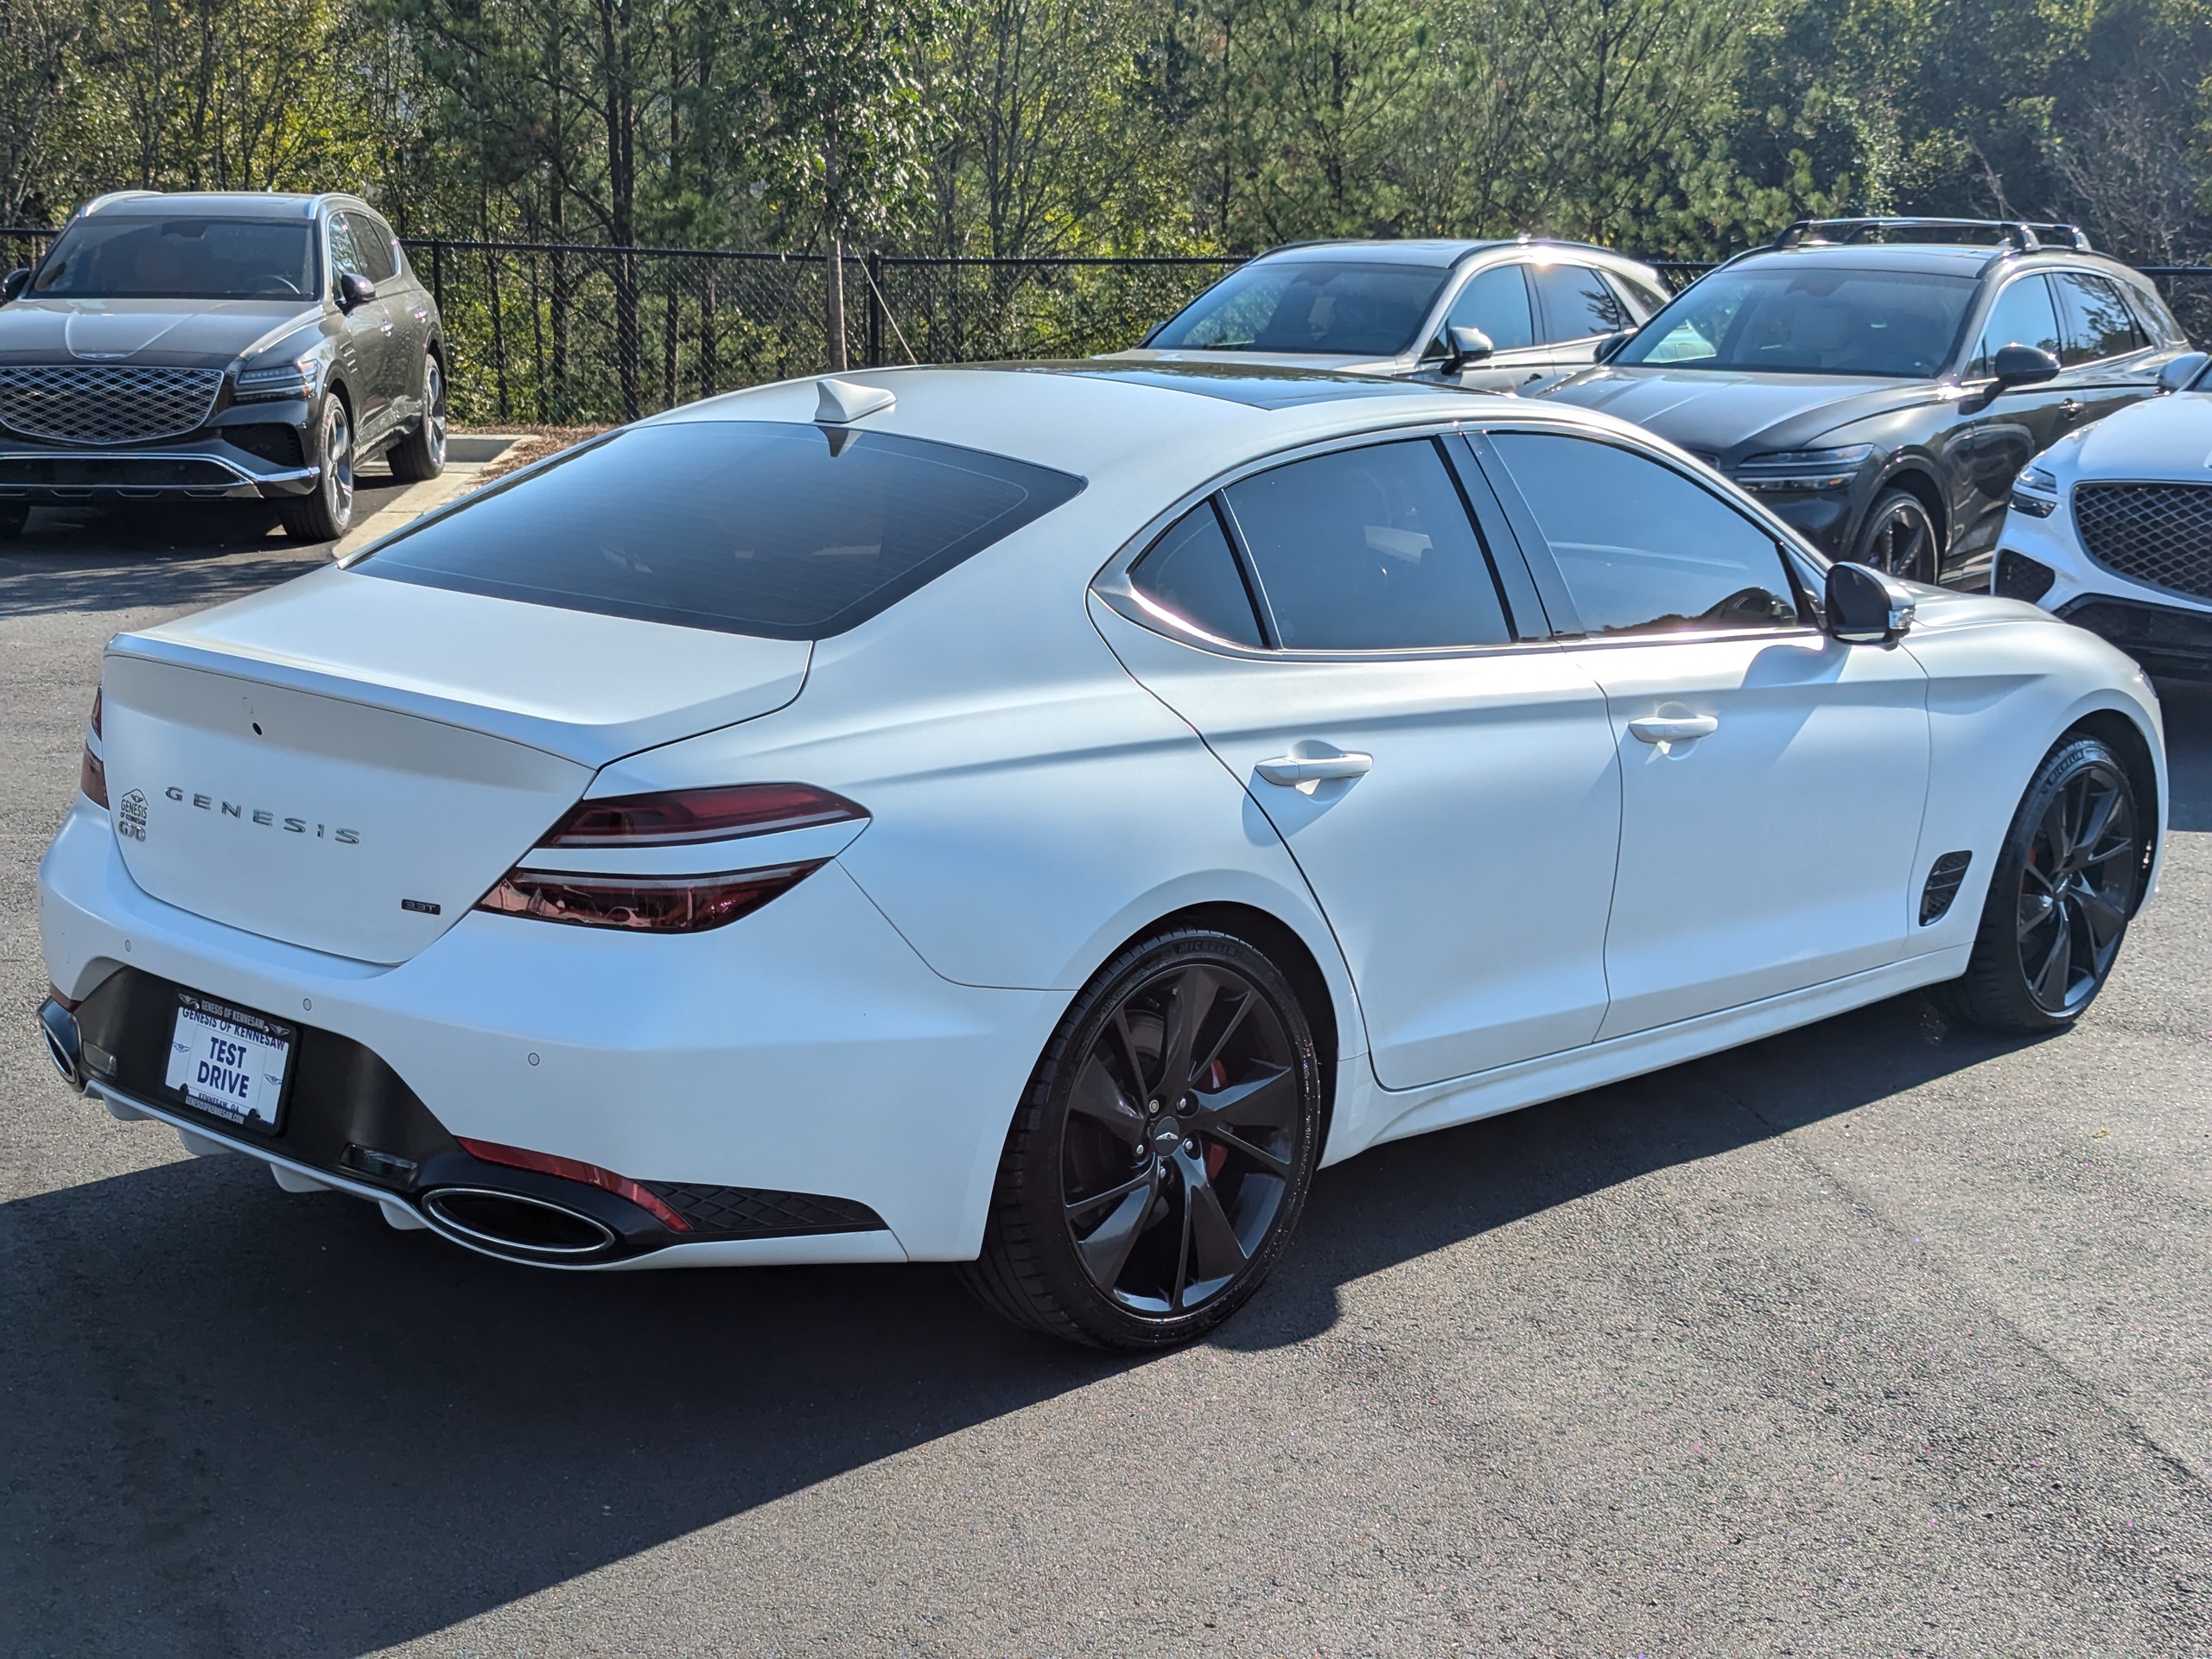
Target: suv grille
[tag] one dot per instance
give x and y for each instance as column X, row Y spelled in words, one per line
column 2160, row 534
column 69, row 404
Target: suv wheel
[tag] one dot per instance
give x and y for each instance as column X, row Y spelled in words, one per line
column 324, row 514
column 422, row 453
column 1900, row 539
column 1163, row 1151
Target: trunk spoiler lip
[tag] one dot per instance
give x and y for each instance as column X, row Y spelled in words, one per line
column 583, row 742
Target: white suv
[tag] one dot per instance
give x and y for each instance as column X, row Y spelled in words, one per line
column 2110, row 527
column 1490, row 316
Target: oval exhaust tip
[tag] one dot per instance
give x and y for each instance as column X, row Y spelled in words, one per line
column 513, row 1225
column 64, row 1045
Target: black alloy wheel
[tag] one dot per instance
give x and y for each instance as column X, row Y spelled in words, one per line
column 1900, row 539
column 324, row 514
column 422, row 454
column 1163, row 1152
column 2065, row 885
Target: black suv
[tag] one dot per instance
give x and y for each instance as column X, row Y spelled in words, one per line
column 1879, row 386
column 211, row 347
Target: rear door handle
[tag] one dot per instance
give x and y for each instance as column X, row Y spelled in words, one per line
column 1294, row 769
column 1660, row 728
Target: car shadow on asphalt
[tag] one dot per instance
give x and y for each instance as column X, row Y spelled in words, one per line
column 190, row 555
column 234, row 1413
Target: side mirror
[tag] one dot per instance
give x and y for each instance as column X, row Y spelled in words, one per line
column 1468, row 345
column 14, row 283
column 2022, row 365
column 2177, row 376
column 354, row 289
column 1610, row 347
column 1866, row 607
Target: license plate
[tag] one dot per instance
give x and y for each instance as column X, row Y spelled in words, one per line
column 230, row 1062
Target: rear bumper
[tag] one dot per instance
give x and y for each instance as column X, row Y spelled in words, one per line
column 803, row 1062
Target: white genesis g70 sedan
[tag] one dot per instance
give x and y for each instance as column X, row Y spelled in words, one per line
column 1033, row 817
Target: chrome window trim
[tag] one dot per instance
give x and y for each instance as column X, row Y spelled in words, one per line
column 1111, row 584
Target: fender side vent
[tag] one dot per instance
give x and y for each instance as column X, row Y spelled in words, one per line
column 1942, row 886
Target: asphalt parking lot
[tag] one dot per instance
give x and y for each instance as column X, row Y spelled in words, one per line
column 1879, row 1336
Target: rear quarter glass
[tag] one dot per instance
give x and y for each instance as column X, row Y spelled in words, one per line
column 777, row 529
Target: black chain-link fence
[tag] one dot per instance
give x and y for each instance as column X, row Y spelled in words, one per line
column 565, row 334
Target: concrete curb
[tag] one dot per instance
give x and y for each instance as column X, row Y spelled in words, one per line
column 466, row 457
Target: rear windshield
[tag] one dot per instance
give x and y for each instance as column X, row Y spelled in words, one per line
column 1323, row 305
column 182, row 259
column 790, row 532
column 1835, row 320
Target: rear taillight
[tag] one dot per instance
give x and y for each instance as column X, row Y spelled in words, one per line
column 644, row 904
column 573, row 1169
column 671, row 817
column 91, row 771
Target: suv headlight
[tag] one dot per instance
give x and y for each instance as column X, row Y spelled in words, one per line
column 1803, row 470
column 271, row 381
column 2035, row 493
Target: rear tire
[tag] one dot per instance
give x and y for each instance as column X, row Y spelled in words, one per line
column 1162, row 1152
column 422, row 454
column 2066, row 881
column 327, row 511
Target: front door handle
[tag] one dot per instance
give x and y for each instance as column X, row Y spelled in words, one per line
column 1661, row 729
column 1292, row 770
column 2071, row 407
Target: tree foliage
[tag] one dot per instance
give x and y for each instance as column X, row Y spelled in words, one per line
column 1036, row 127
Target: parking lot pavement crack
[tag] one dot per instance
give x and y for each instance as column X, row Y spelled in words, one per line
column 1865, row 1203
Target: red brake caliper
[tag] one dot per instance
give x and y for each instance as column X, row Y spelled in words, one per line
column 1213, row 1079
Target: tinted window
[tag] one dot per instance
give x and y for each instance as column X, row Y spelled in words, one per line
column 1369, row 550
column 1829, row 320
column 1290, row 305
column 1650, row 300
column 2097, row 323
column 1497, row 302
column 1192, row 572
column 373, row 244
column 1578, row 303
column 182, row 259
column 1643, row 549
column 345, row 257
column 745, row 526
column 2022, row 316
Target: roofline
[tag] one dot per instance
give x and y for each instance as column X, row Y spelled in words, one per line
column 315, row 201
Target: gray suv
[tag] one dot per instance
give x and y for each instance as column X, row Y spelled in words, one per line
column 218, row 347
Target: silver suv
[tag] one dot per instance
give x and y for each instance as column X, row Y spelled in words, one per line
column 1491, row 316
column 206, row 348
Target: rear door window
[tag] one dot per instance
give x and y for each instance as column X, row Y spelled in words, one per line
column 1369, row 550
column 759, row 527
column 1643, row 550
column 2096, row 323
column 1576, row 302
column 1497, row 302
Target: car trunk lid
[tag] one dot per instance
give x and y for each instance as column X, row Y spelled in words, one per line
column 352, row 776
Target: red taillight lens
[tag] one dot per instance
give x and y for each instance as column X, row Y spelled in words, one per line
column 646, row 904
column 572, row 1169
column 674, row 816
column 96, row 695
column 91, row 771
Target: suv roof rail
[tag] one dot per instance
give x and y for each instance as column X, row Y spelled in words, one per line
column 2023, row 236
column 111, row 197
